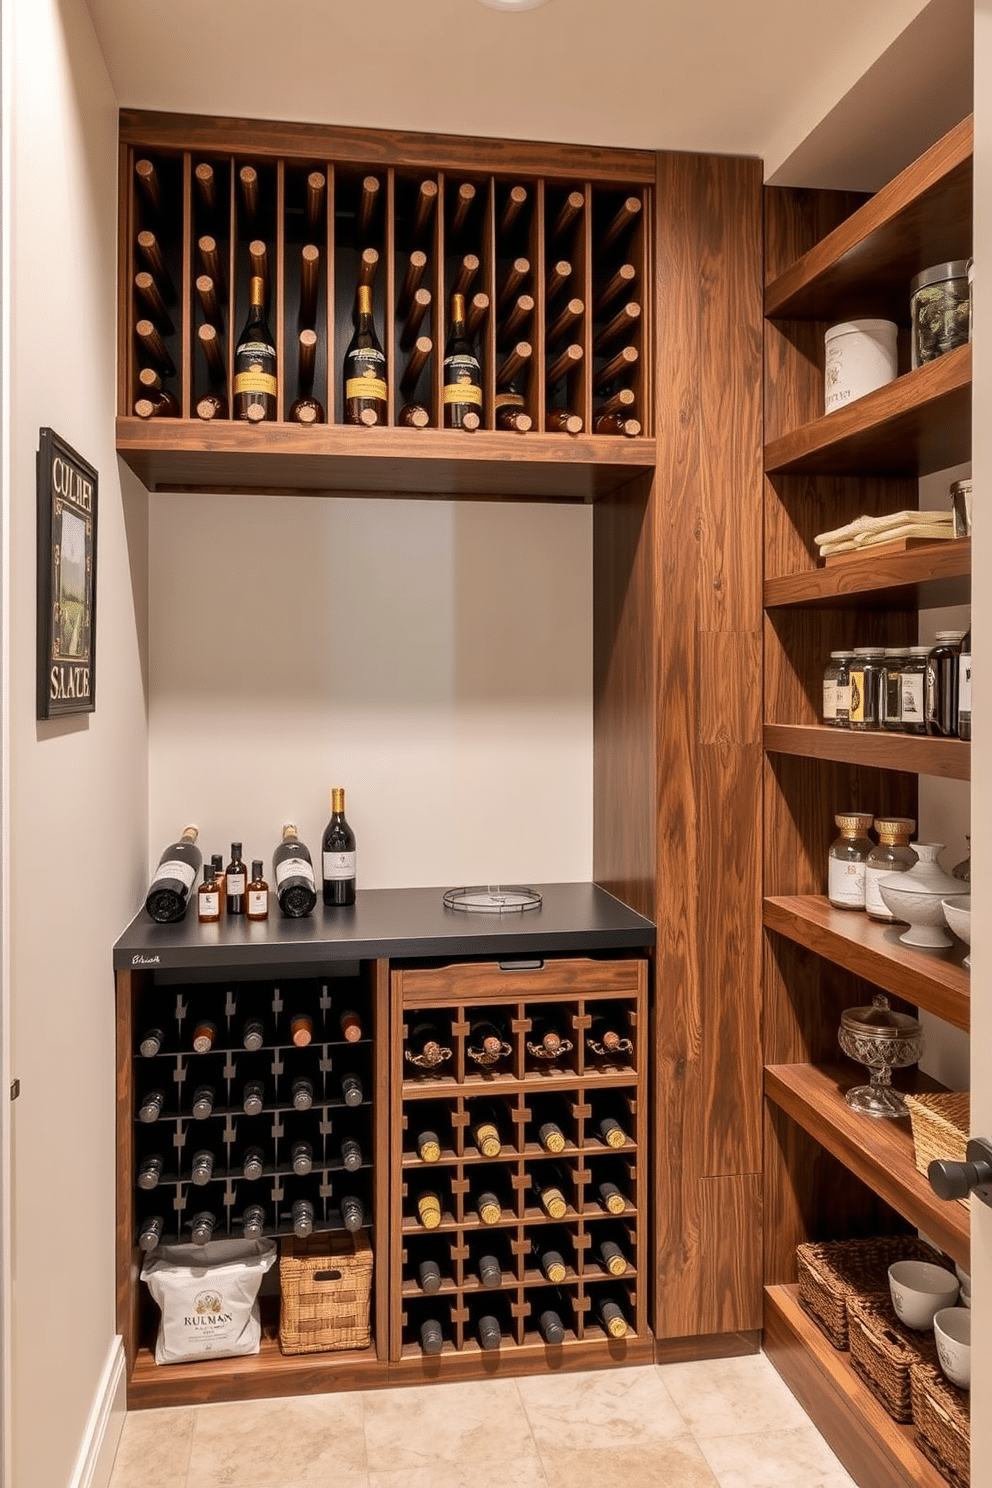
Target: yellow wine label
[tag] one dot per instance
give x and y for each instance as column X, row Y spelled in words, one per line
column 554, row 1202
column 463, row 392
column 255, row 382
column 430, row 1151
column 487, row 1139
column 429, row 1209
column 368, row 386
column 508, row 400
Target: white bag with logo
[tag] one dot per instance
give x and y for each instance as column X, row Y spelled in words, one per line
column 208, row 1295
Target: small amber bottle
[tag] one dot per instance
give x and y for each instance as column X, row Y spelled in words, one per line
column 257, row 905
column 208, row 898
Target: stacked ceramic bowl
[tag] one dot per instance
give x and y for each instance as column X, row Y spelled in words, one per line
column 917, row 896
column 923, row 1296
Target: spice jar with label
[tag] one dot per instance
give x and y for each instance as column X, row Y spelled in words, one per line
column 939, row 310
column 913, row 676
column 964, row 687
column 892, row 855
column 940, row 685
column 890, row 691
column 836, row 666
column 866, row 677
column 847, row 859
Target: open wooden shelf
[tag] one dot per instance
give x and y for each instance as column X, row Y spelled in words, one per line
column 879, row 1152
column 936, row 981
column 924, row 578
column 874, row 1448
column 864, row 267
column 948, row 758
column 288, row 459
column 919, row 423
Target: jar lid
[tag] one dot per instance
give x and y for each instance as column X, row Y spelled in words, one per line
column 862, row 327
column 962, row 486
column 900, row 825
column 920, row 650
column 897, row 650
column 938, row 273
column 950, row 635
column 839, row 655
column 880, row 1019
column 852, row 821
column 870, row 650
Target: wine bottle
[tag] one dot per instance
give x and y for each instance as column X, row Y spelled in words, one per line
column 516, row 197
column 351, row 1089
column 429, row 1208
column 414, row 415
column 546, row 1039
column 429, row 1274
column 515, row 276
column 235, row 881
column 203, row 1167
column 152, row 1106
column 612, row 1316
column 415, row 268
column 210, row 345
column 625, row 216
column 549, row 1257
column 562, row 421
column 431, row 1336
column 426, row 197
column 365, row 390
column 604, row 1037
column 488, row 1207
column 550, row 1131
column 153, row 347
column 489, row 1269
column 571, row 311
column 151, row 1042
column 352, row 1212
column 253, row 1222
column 549, row 1189
column 177, row 872
column 622, row 280
column 486, row 1043
column 428, row 1145
column 203, row 175
column 489, row 1332
column 166, row 403
column 204, row 1036
column 485, row 1131
column 203, row 1226
column 611, row 1196
column 301, row 1029
column 148, row 180
column 624, row 323
column 419, row 306
column 302, row 1216
column 255, row 368
column 551, row 1324
column 151, row 1231
column 296, row 886
column 570, row 209
column 212, row 406
column 351, row 1026
column 301, row 1158
column 253, row 1034
column 611, row 1257
column 351, row 1154
column 462, row 373
column 614, row 423
column 307, row 409
column 509, row 406
column 208, row 897
column 464, row 197
column 338, row 855
column 252, row 1097
column 302, row 1093
column 150, row 1171
column 203, row 1102
column 257, row 894
column 425, row 1045
column 253, row 1163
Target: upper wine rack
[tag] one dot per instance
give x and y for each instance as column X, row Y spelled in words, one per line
column 550, row 249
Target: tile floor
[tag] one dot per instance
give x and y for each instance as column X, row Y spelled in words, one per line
column 730, row 1423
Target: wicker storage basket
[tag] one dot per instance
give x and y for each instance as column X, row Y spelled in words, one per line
column 326, row 1282
column 883, row 1350
column 831, row 1271
column 940, row 1128
column 943, row 1425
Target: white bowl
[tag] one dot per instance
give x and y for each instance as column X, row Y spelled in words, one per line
column 957, row 913
column 915, row 897
column 952, row 1331
column 920, row 1290
column 963, row 1277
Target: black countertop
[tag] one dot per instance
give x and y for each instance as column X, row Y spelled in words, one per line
column 389, row 924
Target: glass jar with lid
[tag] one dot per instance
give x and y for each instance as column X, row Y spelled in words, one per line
column 890, row 688
column 940, row 685
column 831, row 679
column 847, row 860
column 866, row 675
column 939, row 303
column 912, row 693
column 892, row 855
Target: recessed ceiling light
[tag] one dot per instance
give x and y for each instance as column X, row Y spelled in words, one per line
column 513, row 4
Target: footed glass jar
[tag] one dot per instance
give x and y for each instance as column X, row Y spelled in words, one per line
column 892, row 855
column 847, row 859
column 883, row 1041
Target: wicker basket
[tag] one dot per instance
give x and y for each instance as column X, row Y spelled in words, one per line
column 940, row 1128
column 883, row 1350
column 943, row 1425
column 326, row 1282
column 831, row 1271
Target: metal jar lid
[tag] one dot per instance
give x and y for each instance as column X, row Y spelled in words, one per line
column 880, row 1021
column 938, row 273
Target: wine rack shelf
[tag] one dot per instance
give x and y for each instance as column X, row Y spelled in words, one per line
column 551, row 250
column 520, row 1093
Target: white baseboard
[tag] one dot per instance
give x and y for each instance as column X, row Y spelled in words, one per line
column 103, row 1428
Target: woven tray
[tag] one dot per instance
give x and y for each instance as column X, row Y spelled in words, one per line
column 326, row 1282
column 941, row 1414
column 883, row 1350
column 940, row 1128
column 831, row 1271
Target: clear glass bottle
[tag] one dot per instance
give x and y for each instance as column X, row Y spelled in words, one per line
column 890, row 690
column 892, row 855
column 830, row 675
column 940, row 685
column 847, row 859
column 866, row 675
column 912, row 694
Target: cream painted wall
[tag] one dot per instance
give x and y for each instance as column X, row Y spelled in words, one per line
column 434, row 658
column 75, row 799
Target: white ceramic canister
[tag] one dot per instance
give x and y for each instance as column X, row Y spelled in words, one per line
column 860, row 355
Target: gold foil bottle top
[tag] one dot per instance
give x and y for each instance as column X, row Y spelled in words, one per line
column 854, row 823
column 458, row 307
column 616, row 1265
column 895, row 829
column 490, row 1210
column 256, row 292
column 429, row 1209
column 337, row 798
column 365, row 299
column 429, row 1147
column 616, row 1325
column 190, row 834
column 487, row 1139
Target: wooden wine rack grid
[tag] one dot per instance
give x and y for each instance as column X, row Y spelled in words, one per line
column 551, row 246
column 581, row 1084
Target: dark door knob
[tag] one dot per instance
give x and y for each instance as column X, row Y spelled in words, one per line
column 956, row 1180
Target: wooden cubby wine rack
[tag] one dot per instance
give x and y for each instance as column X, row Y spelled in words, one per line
column 520, row 1091
column 550, row 246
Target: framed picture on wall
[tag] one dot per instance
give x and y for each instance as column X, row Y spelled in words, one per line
column 67, row 490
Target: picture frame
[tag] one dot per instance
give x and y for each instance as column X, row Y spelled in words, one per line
column 67, row 516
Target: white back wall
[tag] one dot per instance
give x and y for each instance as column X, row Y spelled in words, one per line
column 434, row 658
column 75, row 797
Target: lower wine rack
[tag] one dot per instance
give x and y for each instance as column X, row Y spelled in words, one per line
column 517, row 1205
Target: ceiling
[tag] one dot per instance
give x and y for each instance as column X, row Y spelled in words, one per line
column 750, row 77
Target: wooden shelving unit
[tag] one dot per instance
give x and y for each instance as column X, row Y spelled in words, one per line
column 830, row 1171
column 521, row 1090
